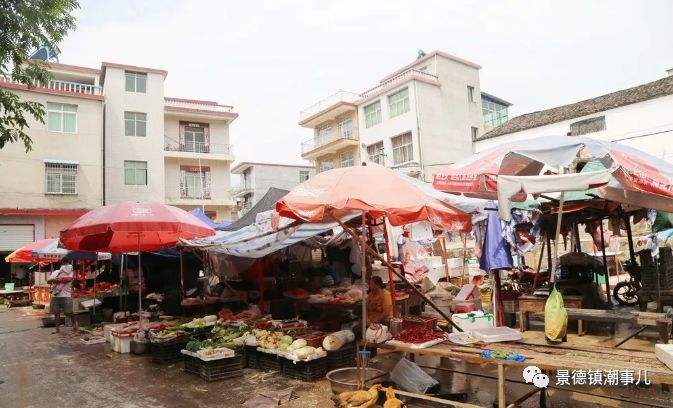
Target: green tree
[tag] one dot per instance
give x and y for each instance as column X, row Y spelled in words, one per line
column 26, row 25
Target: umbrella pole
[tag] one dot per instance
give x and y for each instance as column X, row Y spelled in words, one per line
column 391, row 279
column 552, row 277
column 605, row 268
column 363, row 272
column 140, row 286
column 121, row 282
column 442, row 244
column 94, row 285
column 399, row 275
column 539, row 265
column 462, row 278
column 182, row 274
column 629, row 237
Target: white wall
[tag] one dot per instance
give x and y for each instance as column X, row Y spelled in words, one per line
column 264, row 177
column 23, row 180
column 652, row 116
column 120, row 147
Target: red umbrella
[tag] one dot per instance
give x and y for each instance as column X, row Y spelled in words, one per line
column 373, row 189
column 129, row 226
column 25, row 253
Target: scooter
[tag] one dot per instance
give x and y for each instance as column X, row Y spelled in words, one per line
column 626, row 293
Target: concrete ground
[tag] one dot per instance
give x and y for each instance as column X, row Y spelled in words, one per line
column 40, row 369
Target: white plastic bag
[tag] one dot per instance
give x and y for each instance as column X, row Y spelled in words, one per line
column 410, row 377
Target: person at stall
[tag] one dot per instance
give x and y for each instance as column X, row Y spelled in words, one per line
column 379, row 303
column 61, row 294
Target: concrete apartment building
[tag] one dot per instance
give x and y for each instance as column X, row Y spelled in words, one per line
column 418, row 119
column 255, row 179
column 638, row 117
column 111, row 135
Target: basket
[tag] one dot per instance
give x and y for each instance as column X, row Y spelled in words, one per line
column 267, row 361
column 428, row 322
column 342, row 358
column 308, row 371
column 215, row 370
column 167, row 352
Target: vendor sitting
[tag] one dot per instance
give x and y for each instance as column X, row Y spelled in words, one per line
column 379, row 303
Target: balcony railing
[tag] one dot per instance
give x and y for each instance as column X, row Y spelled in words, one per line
column 196, row 147
column 316, row 142
column 64, row 86
column 340, row 96
column 240, row 189
column 412, row 73
column 198, row 105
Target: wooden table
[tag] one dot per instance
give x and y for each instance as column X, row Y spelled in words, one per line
column 658, row 320
column 16, row 297
column 535, row 304
column 550, row 358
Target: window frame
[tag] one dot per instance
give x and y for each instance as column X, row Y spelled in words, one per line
column 135, row 121
column 304, row 175
column 135, row 75
column 194, row 131
column 135, row 172
column 470, row 94
column 406, row 149
column 348, row 133
column 394, row 109
column 374, row 117
column 351, row 160
column 379, row 156
column 321, row 162
column 61, row 170
column 62, row 112
column 474, row 133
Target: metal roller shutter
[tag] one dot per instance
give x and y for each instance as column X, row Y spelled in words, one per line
column 13, row 237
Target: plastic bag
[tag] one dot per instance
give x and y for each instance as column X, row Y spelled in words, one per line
column 555, row 317
column 410, row 377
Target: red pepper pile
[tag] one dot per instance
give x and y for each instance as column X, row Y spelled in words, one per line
column 418, row 335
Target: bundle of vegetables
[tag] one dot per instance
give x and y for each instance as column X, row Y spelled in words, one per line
column 299, row 350
column 231, row 337
column 198, row 323
column 167, row 334
column 419, row 335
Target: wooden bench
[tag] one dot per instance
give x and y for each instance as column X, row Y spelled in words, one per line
column 535, row 304
column 613, row 317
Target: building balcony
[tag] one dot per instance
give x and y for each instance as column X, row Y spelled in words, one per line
column 191, row 108
column 57, row 87
column 328, row 108
column 396, row 81
column 240, row 190
column 203, row 151
column 327, row 144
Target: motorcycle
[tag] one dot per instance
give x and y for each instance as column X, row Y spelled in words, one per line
column 626, row 292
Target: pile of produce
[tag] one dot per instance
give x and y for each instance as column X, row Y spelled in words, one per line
column 231, row 337
column 282, row 344
column 299, row 350
column 198, row 323
column 271, row 340
column 419, row 335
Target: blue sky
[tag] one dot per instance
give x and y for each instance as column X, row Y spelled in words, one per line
column 271, row 59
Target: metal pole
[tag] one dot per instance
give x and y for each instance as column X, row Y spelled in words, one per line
column 462, row 278
column 391, row 279
column 140, row 286
column 182, row 274
column 121, row 281
column 549, row 253
column 557, row 234
column 605, row 267
column 629, row 236
column 363, row 271
column 539, row 265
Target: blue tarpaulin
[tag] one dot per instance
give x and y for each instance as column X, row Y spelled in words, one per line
column 496, row 253
column 198, row 213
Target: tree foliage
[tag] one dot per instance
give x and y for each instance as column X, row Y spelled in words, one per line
column 25, row 25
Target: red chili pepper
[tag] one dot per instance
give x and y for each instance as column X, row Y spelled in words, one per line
column 418, row 335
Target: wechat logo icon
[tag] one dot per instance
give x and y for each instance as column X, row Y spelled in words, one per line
column 534, row 375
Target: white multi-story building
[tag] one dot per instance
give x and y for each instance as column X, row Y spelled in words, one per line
column 638, row 116
column 255, row 179
column 111, row 135
column 419, row 118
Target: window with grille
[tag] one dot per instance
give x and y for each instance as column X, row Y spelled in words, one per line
column 135, row 81
column 403, row 150
column 61, row 178
column 470, row 94
column 347, row 159
column 398, row 102
column 135, row 173
column 195, row 139
column 304, row 175
column 346, row 128
column 135, row 124
column 372, row 114
column 61, row 117
column 326, row 165
column 375, row 153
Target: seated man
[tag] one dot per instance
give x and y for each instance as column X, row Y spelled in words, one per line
column 379, row 303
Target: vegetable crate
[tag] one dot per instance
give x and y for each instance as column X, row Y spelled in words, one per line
column 167, row 352
column 266, row 361
column 215, row 370
column 304, row 370
column 251, row 360
column 342, row 358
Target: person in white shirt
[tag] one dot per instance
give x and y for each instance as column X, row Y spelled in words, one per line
column 61, row 294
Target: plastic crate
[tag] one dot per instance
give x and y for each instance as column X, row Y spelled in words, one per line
column 215, row 370
column 342, row 358
column 308, row 371
column 648, row 271
column 266, row 361
column 250, row 353
column 169, row 352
